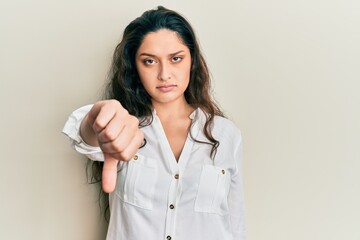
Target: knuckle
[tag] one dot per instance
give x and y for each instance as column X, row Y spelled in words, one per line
column 125, row 111
column 113, row 103
column 135, row 120
column 109, row 106
column 109, row 135
column 98, row 125
column 119, row 148
column 126, row 156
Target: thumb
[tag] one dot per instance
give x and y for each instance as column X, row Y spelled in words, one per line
column 109, row 173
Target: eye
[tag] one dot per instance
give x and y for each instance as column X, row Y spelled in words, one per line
column 149, row 61
column 176, row 59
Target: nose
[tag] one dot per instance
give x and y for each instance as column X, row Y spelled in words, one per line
column 164, row 72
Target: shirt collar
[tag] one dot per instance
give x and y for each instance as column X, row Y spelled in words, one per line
column 194, row 115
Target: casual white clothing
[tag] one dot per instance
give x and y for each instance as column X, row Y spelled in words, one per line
column 157, row 198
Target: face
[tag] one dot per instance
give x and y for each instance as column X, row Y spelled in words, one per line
column 163, row 63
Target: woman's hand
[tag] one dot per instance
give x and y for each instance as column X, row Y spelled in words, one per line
column 110, row 126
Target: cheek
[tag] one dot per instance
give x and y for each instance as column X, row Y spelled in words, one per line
column 146, row 80
column 143, row 74
column 146, row 72
column 185, row 72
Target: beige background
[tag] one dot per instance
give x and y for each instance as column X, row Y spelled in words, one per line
column 286, row 72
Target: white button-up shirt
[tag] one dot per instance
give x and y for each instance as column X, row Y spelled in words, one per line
column 158, row 198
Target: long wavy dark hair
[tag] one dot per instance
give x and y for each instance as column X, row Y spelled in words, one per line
column 124, row 82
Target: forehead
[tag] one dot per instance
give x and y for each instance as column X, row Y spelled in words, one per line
column 162, row 42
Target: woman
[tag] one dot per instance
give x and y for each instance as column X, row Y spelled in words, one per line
column 172, row 162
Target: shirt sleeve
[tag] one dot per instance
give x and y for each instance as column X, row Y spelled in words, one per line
column 71, row 129
column 236, row 197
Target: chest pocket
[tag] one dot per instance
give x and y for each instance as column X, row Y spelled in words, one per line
column 212, row 192
column 136, row 182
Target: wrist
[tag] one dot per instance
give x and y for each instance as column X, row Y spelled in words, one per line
column 87, row 132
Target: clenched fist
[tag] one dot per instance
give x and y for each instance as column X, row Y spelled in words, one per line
column 110, row 126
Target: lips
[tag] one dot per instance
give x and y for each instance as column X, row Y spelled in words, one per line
column 166, row 88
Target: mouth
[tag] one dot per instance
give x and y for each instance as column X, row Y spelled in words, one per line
column 166, row 88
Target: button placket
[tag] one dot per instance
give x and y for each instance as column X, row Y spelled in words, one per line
column 175, row 169
column 174, row 193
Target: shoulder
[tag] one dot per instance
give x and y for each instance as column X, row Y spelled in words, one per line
column 220, row 121
column 225, row 128
column 222, row 128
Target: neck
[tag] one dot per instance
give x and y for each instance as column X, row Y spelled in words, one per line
column 174, row 110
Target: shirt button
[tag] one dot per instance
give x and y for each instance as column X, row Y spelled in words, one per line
column 176, row 176
column 135, row 157
column 171, row 206
column 168, row 237
column 223, row 171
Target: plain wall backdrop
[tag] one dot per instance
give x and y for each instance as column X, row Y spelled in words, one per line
column 286, row 72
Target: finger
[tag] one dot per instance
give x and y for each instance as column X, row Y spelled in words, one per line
column 109, row 173
column 113, row 128
column 94, row 111
column 103, row 112
column 132, row 148
column 123, row 139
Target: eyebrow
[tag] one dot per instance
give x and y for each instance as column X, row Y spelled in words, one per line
column 152, row 55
